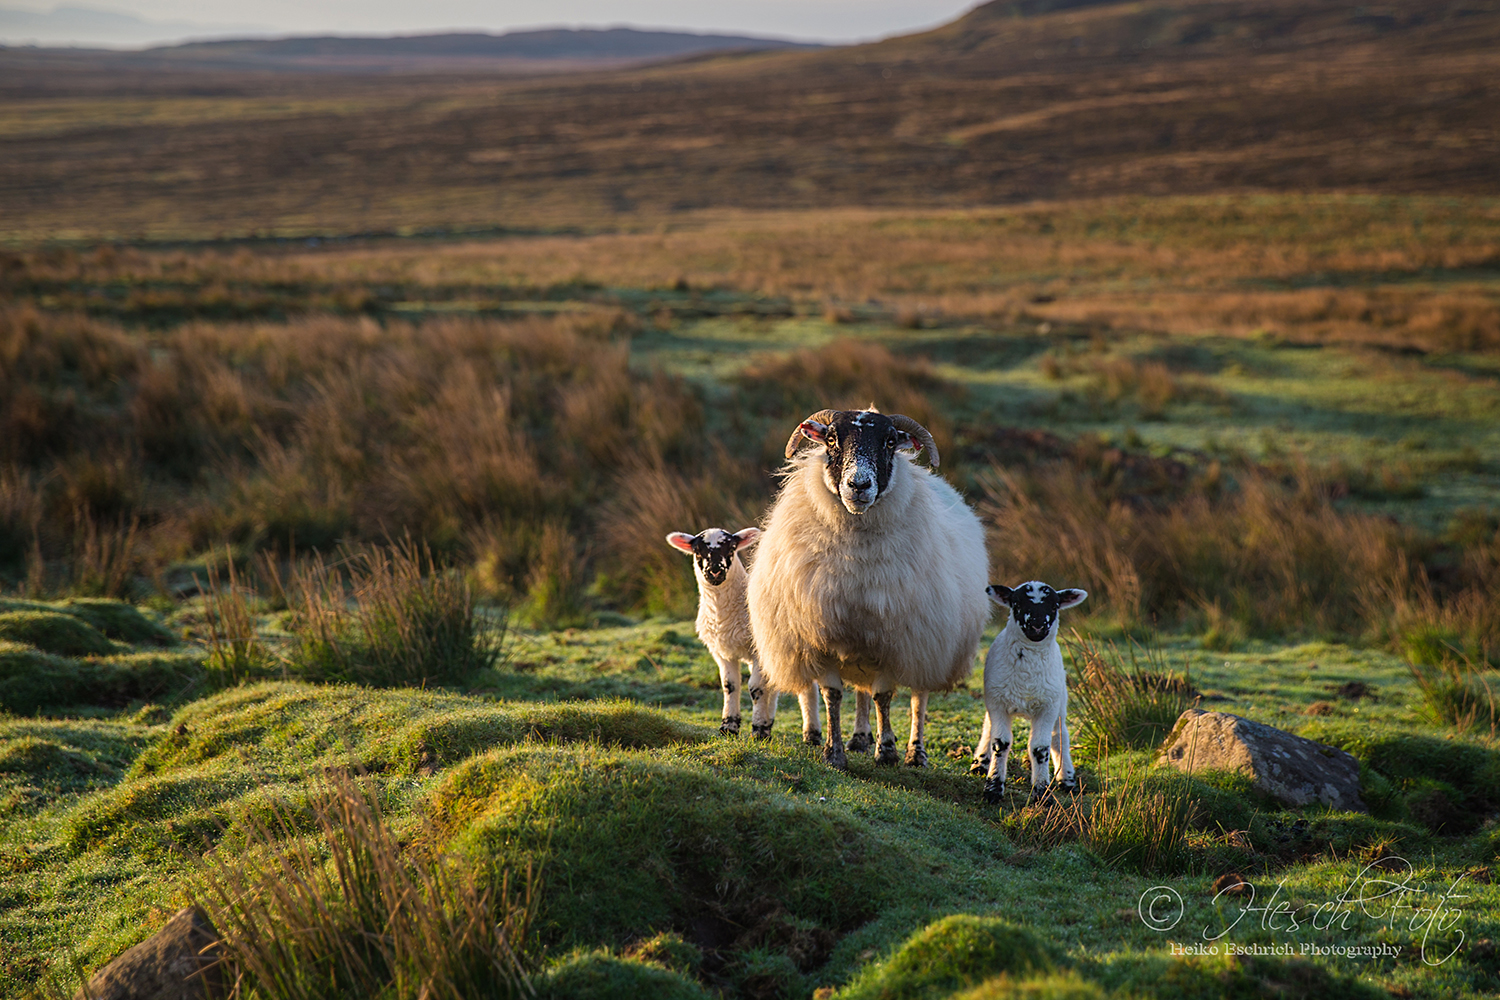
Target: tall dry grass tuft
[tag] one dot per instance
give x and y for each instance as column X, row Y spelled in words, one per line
column 1270, row 556
column 847, row 374
column 346, row 911
column 387, row 616
column 1127, row 701
column 236, row 653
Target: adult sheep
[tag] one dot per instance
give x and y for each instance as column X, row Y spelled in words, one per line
column 871, row 572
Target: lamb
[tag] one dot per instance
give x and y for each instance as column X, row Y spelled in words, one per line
column 872, row 572
column 1024, row 676
column 724, row 626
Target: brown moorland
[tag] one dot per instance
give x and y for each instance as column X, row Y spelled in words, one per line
column 1013, row 102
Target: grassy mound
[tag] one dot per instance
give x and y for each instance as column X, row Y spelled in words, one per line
column 1449, row 786
column 287, row 727
column 31, row 680
column 1061, row 986
column 53, row 632
column 115, row 619
column 1230, row 978
column 644, row 845
column 953, row 953
column 601, row 976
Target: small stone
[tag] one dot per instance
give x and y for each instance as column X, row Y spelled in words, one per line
column 1233, row 884
column 1288, row 768
column 178, row 962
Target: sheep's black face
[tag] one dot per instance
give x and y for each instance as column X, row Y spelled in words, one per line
column 860, row 448
column 1034, row 606
column 713, row 549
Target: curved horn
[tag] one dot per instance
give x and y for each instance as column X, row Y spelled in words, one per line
column 921, row 433
column 793, row 442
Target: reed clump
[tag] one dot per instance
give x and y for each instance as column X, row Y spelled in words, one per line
column 345, row 909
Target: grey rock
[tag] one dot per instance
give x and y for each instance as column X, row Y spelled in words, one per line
column 178, row 962
column 1286, row 767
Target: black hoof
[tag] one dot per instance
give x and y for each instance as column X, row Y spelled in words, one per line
column 861, row 743
column 762, row 731
column 813, row 737
column 980, row 767
column 994, row 794
column 887, row 755
column 729, row 728
column 916, row 757
column 833, row 755
column 1071, row 787
column 1039, row 796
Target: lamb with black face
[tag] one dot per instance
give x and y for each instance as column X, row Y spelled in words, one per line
column 1034, row 606
column 713, row 550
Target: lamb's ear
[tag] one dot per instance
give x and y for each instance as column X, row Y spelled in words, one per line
column 1070, row 598
column 1000, row 595
column 746, row 537
column 681, row 540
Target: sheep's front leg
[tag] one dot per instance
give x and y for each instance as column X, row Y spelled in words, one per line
column 997, row 726
column 762, row 702
column 812, row 732
column 981, row 763
column 887, row 752
column 833, row 700
column 729, row 680
column 1062, row 753
column 1039, row 746
column 916, row 753
column 861, row 741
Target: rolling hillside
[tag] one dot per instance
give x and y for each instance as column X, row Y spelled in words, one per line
column 1013, row 102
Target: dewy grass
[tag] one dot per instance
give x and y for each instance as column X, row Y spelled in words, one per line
column 400, row 620
column 347, row 912
column 1124, row 703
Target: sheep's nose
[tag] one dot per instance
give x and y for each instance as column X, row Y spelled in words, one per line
column 861, row 482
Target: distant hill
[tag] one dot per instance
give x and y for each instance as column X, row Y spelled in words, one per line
column 1018, row 100
column 572, row 44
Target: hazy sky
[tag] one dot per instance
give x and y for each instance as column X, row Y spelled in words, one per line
column 824, row 20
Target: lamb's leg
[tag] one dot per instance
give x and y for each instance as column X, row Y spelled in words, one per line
column 833, row 698
column 812, row 732
column 916, row 753
column 762, row 702
column 887, row 752
column 997, row 724
column 861, row 742
column 1062, row 753
column 1039, row 746
column 981, row 763
column 729, row 680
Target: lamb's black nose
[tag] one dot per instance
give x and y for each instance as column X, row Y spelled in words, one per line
column 861, row 483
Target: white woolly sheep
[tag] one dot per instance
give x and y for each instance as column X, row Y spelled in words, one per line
column 872, row 572
column 1024, row 676
column 724, row 626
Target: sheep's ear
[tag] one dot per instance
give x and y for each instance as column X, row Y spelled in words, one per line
column 1000, row 595
column 814, row 430
column 910, row 444
column 681, row 540
column 746, row 537
column 1071, row 598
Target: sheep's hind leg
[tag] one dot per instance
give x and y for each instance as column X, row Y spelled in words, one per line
column 861, row 741
column 998, row 726
column 887, row 752
column 762, row 702
column 1062, row 754
column 916, row 753
column 981, row 763
column 833, row 699
column 729, row 680
column 812, row 731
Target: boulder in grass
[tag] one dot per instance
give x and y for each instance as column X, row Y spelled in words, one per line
column 178, row 962
column 1286, row 767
